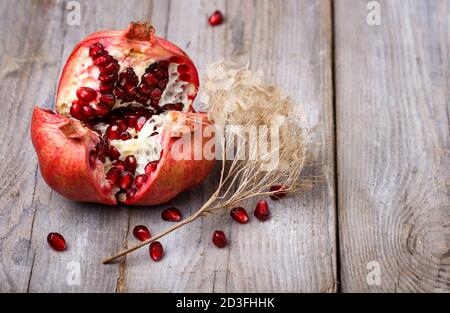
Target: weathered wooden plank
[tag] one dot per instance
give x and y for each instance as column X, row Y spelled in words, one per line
column 291, row 42
column 392, row 104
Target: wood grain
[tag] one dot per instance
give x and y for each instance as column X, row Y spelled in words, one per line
column 392, row 104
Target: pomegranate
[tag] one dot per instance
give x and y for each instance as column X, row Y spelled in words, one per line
column 121, row 96
column 219, row 239
column 57, row 242
column 141, row 232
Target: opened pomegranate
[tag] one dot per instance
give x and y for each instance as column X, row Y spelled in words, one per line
column 121, row 96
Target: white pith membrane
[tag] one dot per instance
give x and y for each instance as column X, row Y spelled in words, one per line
column 145, row 144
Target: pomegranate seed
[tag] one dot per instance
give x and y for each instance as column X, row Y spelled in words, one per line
column 150, row 79
column 113, row 132
column 113, row 175
column 140, row 180
column 75, row 110
column 280, row 192
column 113, row 153
column 219, row 239
column 163, row 83
column 104, row 88
column 126, row 180
column 87, row 112
column 95, row 49
column 141, row 233
column 130, row 193
column 151, row 167
column 125, row 136
column 185, row 77
column 119, row 164
column 183, row 68
column 122, row 124
column 102, row 59
column 120, row 93
column 144, row 89
column 100, row 110
column 57, row 242
column 171, row 215
column 130, row 163
column 140, row 123
column 131, row 121
column 239, row 215
column 173, row 107
column 86, row 94
column 108, row 78
column 216, row 18
column 108, row 99
column 156, row 250
column 156, row 93
column 262, row 211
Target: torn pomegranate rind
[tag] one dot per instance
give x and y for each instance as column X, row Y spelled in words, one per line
column 111, row 138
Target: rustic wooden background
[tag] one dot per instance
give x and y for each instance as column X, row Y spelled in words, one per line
column 377, row 103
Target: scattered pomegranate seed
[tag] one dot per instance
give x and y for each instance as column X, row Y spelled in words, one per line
column 219, row 239
column 171, row 215
column 216, row 18
column 141, row 232
column 156, row 250
column 57, row 242
column 239, row 215
column 262, row 211
column 279, row 194
column 130, row 164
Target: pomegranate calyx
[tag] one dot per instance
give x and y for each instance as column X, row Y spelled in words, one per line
column 72, row 129
column 140, row 31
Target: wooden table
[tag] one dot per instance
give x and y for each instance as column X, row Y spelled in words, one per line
column 376, row 101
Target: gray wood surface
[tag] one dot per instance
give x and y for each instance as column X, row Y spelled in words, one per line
column 392, row 104
column 389, row 101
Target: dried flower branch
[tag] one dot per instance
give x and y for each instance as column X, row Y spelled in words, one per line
column 236, row 96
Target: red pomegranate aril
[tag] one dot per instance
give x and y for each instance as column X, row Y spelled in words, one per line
column 86, row 94
column 141, row 233
column 122, row 124
column 140, row 180
column 113, row 175
column 113, row 132
column 219, row 239
column 130, row 164
column 239, row 215
column 262, row 211
column 102, row 59
column 150, row 79
column 100, row 110
column 280, row 192
column 75, row 110
column 57, row 242
column 130, row 193
column 125, row 136
column 87, row 112
column 126, row 180
column 156, row 93
column 173, row 107
column 131, row 121
column 120, row 165
column 119, row 92
column 182, row 68
column 216, row 18
column 107, row 78
column 144, row 89
column 106, row 88
column 113, row 153
column 184, row 77
column 108, row 99
column 151, row 167
column 171, row 215
column 156, row 250
column 95, row 50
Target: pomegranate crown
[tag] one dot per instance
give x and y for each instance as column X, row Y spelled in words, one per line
column 140, row 31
